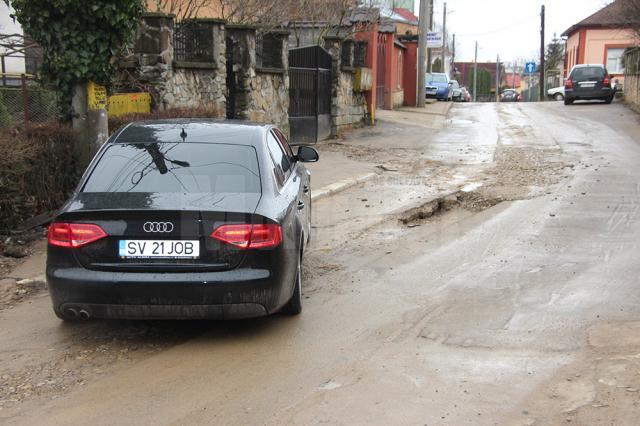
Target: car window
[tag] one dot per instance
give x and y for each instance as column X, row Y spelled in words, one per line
column 176, row 168
column 283, row 141
column 282, row 164
column 436, row 78
column 588, row 73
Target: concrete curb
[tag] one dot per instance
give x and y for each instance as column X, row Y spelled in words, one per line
column 337, row 187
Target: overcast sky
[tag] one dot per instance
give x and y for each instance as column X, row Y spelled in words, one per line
column 510, row 28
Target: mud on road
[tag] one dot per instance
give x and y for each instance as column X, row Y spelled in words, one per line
column 385, row 292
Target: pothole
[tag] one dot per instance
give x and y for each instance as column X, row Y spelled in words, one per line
column 474, row 201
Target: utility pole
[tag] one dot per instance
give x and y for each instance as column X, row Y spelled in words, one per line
column 422, row 52
column 429, row 59
column 498, row 79
column 444, row 37
column 542, row 76
column 453, row 56
column 475, row 75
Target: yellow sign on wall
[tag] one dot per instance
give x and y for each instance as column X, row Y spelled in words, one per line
column 96, row 96
column 129, row 103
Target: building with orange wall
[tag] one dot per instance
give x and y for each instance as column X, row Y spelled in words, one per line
column 600, row 39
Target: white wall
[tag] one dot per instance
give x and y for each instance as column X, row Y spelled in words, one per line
column 7, row 26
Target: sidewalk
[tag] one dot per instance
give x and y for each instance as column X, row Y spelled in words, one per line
column 336, row 172
column 432, row 116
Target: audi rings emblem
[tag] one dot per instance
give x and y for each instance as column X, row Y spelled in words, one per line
column 160, row 227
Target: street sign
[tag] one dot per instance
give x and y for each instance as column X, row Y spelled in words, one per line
column 530, row 67
column 434, row 40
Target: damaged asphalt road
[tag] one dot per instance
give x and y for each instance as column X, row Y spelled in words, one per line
column 486, row 275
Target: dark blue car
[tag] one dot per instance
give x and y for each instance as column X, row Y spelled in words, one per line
column 437, row 86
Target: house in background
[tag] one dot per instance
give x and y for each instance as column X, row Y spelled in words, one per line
column 13, row 64
column 600, row 39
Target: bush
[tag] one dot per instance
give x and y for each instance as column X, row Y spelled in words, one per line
column 38, row 171
column 116, row 122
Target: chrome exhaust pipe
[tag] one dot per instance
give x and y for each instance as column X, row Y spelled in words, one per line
column 84, row 315
column 71, row 313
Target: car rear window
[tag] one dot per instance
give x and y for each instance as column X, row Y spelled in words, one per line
column 176, row 168
column 436, row 78
column 587, row 73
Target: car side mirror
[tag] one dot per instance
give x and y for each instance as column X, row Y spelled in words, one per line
column 306, row 154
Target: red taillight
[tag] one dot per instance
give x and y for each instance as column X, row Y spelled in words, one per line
column 606, row 82
column 74, row 235
column 568, row 84
column 249, row 236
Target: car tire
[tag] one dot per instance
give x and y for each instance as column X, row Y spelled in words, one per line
column 568, row 101
column 558, row 97
column 609, row 100
column 294, row 305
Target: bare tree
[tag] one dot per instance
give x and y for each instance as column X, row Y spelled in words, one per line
column 183, row 9
column 626, row 13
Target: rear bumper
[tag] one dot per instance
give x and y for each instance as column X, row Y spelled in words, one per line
column 239, row 293
column 589, row 93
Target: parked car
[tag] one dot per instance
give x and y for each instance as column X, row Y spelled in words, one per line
column 510, row 95
column 438, row 86
column 181, row 219
column 588, row 82
column 557, row 93
column 456, row 90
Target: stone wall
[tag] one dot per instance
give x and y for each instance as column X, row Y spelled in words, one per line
column 152, row 67
column 262, row 95
column 632, row 78
column 270, row 99
column 348, row 108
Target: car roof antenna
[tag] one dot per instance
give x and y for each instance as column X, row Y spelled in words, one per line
column 183, row 135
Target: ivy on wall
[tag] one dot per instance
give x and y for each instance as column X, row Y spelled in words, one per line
column 80, row 38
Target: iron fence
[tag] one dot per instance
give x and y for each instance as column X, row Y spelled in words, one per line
column 26, row 103
column 269, row 51
column 194, row 41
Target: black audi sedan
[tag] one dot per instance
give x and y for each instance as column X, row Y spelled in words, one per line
column 184, row 219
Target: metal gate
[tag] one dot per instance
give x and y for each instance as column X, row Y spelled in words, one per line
column 309, row 94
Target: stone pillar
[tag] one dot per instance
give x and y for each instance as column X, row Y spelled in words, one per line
column 153, row 56
column 333, row 45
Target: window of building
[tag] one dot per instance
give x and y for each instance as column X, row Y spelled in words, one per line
column 615, row 58
column 269, row 51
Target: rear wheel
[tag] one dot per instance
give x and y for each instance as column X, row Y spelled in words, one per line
column 568, row 101
column 558, row 97
column 294, row 305
column 609, row 99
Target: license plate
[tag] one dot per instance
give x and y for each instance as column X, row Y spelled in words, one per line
column 587, row 85
column 431, row 92
column 165, row 249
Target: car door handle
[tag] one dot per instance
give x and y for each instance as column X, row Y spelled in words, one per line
column 306, row 189
column 300, row 205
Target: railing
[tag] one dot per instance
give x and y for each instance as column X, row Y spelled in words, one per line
column 23, row 101
column 194, row 42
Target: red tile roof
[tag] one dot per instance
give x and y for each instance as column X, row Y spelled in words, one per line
column 610, row 16
column 406, row 14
